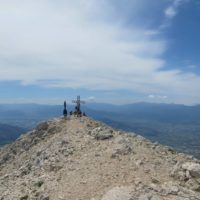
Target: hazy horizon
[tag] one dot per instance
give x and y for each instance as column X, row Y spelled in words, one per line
column 94, row 102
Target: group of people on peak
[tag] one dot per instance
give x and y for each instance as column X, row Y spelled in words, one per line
column 77, row 111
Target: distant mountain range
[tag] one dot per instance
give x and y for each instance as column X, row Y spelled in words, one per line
column 170, row 124
column 168, row 113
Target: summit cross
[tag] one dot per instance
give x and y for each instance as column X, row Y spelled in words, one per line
column 78, row 103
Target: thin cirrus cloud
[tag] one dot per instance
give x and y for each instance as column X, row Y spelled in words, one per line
column 72, row 44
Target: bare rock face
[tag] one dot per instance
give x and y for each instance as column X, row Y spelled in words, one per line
column 122, row 146
column 188, row 173
column 102, row 133
column 82, row 159
column 193, row 169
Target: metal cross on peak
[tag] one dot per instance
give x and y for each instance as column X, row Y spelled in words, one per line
column 78, row 101
column 78, row 105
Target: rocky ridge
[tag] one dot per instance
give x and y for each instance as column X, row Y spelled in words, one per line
column 81, row 159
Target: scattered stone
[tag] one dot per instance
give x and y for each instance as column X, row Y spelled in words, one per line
column 39, row 183
column 44, row 197
column 100, row 133
column 25, row 197
column 122, row 147
column 139, row 162
column 193, row 184
column 103, row 136
column 154, row 180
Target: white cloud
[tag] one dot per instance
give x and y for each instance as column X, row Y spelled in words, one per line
column 172, row 10
column 155, row 96
column 70, row 44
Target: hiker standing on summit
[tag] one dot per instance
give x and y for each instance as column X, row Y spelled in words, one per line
column 65, row 110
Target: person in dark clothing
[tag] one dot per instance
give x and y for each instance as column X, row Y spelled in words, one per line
column 65, row 110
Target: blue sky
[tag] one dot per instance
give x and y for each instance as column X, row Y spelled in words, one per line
column 105, row 50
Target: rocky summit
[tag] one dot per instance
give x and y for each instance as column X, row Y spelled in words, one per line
column 82, row 159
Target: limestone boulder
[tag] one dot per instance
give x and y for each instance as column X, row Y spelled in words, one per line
column 192, row 168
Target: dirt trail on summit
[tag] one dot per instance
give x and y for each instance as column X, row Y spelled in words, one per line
column 82, row 159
